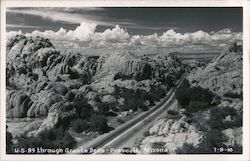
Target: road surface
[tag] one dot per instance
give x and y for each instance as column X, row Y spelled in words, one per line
column 128, row 133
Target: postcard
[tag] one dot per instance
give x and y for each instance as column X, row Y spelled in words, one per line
column 125, row 80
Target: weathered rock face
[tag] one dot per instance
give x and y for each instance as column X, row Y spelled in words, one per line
column 59, row 112
column 124, row 63
column 174, row 133
column 125, row 69
column 18, row 104
column 223, row 74
column 18, row 127
column 234, row 136
column 45, row 82
column 33, row 66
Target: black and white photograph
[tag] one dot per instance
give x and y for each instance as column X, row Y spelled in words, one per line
column 124, row 80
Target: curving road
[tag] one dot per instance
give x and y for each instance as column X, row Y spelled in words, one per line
column 126, row 134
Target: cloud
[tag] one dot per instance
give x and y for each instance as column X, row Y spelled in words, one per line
column 114, row 35
column 21, row 26
column 67, row 15
column 84, row 32
column 85, row 36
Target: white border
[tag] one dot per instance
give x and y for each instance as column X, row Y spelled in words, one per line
column 131, row 3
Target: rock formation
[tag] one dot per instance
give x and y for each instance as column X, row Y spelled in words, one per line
column 44, row 82
column 223, row 74
column 173, row 133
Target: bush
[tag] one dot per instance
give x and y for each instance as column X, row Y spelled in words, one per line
column 9, row 142
column 146, row 133
column 105, row 107
column 51, row 139
column 99, row 123
column 80, row 125
column 212, row 139
column 183, row 96
column 121, row 121
column 195, row 106
column 168, row 80
column 84, row 110
column 233, row 95
column 186, row 149
column 157, row 93
column 218, row 114
column 187, row 113
column 193, row 99
column 235, row 48
column 147, row 71
column 122, row 76
column 172, row 112
column 135, row 99
column 143, row 107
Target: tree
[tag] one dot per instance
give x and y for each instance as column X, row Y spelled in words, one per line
column 9, row 142
column 147, row 71
column 79, row 125
column 53, row 138
column 193, row 99
column 99, row 123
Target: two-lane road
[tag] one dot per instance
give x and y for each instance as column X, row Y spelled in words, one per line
column 128, row 133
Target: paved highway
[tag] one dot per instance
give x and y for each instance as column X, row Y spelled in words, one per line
column 126, row 133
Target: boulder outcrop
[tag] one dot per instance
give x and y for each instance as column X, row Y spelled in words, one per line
column 173, row 133
column 223, row 74
column 45, row 82
column 18, row 104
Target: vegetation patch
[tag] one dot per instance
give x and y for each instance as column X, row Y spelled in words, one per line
column 193, row 99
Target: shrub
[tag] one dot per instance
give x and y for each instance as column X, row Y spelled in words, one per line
column 50, row 139
column 147, row 71
column 169, row 80
column 212, row 139
column 193, row 99
column 143, row 107
column 146, row 133
column 9, row 142
column 121, row 121
column 187, row 113
column 80, row 125
column 238, row 120
column 183, row 96
column 138, row 76
column 99, row 123
column 218, row 114
column 186, row 149
column 122, row 76
column 105, row 107
column 135, row 99
column 235, row 48
column 135, row 103
column 84, row 110
column 172, row 112
column 157, row 93
column 195, row 106
column 233, row 95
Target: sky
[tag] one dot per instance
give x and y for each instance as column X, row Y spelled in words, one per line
column 183, row 29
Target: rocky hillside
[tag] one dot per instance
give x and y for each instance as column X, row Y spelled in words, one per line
column 172, row 134
column 223, row 76
column 44, row 82
column 210, row 110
